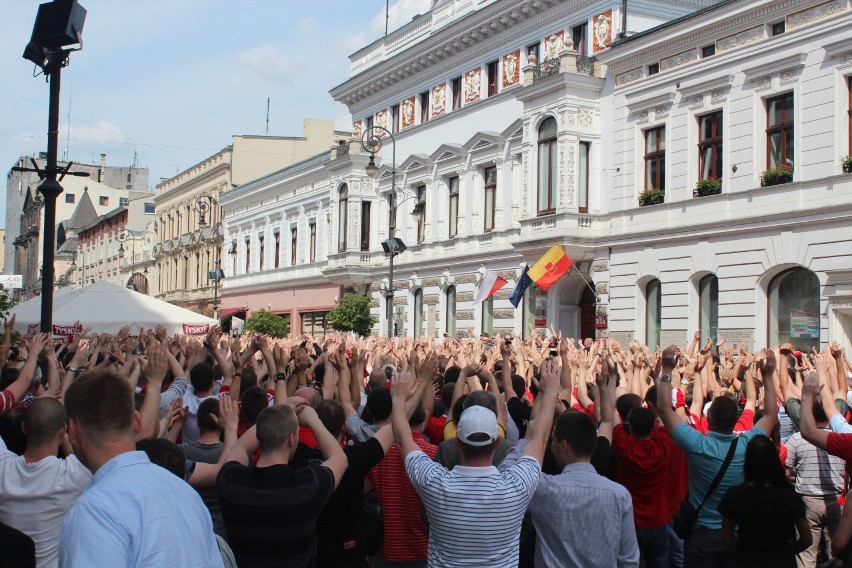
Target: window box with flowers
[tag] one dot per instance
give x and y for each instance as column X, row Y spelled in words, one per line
column 708, row 186
column 776, row 176
column 846, row 163
column 652, row 197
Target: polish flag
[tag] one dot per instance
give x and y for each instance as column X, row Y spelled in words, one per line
column 489, row 284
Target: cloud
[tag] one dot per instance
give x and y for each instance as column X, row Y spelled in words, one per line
column 305, row 26
column 399, row 14
column 269, row 61
column 101, row 131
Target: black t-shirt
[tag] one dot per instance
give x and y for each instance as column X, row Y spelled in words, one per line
column 520, row 414
column 766, row 518
column 338, row 525
column 271, row 512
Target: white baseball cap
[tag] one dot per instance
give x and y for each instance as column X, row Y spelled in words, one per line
column 477, row 421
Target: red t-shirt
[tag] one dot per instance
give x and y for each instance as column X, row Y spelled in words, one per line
column 677, row 476
column 744, row 423
column 434, row 429
column 839, row 445
column 405, row 537
column 642, row 468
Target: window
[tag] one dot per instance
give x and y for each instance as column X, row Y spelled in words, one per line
column 533, row 50
column 710, row 146
column 248, row 255
column 488, row 316
column 70, row 198
column 655, row 158
column 547, row 164
column 779, row 131
column 421, row 216
column 128, row 178
column 369, row 122
column 653, row 68
column 451, row 311
column 342, row 214
column 313, row 229
column 490, row 177
column 456, row 85
column 314, row 323
column 424, row 107
column 294, row 244
column 233, row 257
column 653, row 313
column 849, row 112
column 794, row 309
column 417, row 331
column 395, row 119
column 261, row 253
column 150, row 208
column 778, row 28
column 365, row 225
column 197, row 269
column 453, row 222
column 708, row 50
column 583, row 177
column 103, row 200
column 491, row 72
column 123, row 201
column 277, row 236
column 708, row 308
column 578, row 36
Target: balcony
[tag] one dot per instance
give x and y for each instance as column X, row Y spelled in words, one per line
column 354, row 267
column 287, row 276
column 566, row 62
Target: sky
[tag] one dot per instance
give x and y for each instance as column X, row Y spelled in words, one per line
column 173, row 80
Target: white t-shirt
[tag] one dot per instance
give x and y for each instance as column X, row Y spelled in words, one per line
column 35, row 497
column 190, row 430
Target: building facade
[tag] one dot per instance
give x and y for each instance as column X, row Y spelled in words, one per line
column 186, row 251
column 101, row 176
column 690, row 167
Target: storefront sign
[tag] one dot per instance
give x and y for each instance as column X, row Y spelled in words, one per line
column 541, row 322
column 804, row 324
column 196, row 329
column 601, row 322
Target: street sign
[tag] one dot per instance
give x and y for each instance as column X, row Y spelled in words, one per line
column 11, row 281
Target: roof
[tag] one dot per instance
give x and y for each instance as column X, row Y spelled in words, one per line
column 83, row 214
column 104, row 217
column 68, row 247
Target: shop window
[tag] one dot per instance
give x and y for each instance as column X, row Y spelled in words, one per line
column 653, row 313
column 708, row 308
column 794, row 309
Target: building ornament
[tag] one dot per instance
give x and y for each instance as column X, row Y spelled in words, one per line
column 816, row 13
column 743, row 38
column 464, row 315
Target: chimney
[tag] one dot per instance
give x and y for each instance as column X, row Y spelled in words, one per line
column 102, row 169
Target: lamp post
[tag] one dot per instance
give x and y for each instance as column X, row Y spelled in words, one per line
column 122, row 238
column 203, row 205
column 58, row 25
column 371, row 142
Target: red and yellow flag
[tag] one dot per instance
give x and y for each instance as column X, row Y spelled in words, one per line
column 550, row 267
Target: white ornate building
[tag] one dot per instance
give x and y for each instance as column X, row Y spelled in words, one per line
column 517, row 125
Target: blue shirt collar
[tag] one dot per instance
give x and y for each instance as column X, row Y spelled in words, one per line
column 121, row 460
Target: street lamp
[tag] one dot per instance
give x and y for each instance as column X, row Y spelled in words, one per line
column 371, row 142
column 58, row 25
column 204, row 205
column 122, row 238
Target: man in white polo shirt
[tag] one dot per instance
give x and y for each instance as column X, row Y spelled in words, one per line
column 475, row 511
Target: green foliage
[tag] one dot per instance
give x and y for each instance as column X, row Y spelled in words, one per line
column 352, row 314
column 267, row 323
column 708, row 186
column 5, row 302
column 652, row 197
column 775, row 176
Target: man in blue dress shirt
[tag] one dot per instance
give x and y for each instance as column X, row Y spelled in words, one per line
column 133, row 513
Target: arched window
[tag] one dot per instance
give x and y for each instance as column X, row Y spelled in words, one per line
column 653, row 313
column 342, row 214
column 418, row 313
column 708, row 308
column 451, row 311
column 794, row 309
column 547, row 164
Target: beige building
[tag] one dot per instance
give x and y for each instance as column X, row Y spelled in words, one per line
column 187, row 251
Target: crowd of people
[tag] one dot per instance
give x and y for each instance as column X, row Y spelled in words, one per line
column 344, row 451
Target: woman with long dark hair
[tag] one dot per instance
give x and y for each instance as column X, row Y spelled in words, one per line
column 762, row 516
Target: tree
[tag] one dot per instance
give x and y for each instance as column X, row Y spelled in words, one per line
column 6, row 303
column 267, row 323
column 352, row 314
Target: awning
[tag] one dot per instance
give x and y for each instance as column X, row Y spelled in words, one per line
column 225, row 312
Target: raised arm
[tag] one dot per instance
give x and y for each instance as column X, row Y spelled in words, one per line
column 335, row 458
column 807, row 423
column 538, row 431
column 606, row 387
column 666, row 366
column 767, row 367
column 401, row 390
column 155, row 373
column 228, row 420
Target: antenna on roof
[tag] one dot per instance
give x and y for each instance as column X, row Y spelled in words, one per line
column 267, row 116
column 387, row 15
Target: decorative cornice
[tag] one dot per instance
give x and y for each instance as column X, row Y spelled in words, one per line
column 796, row 61
column 704, row 86
column 838, row 48
column 635, row 106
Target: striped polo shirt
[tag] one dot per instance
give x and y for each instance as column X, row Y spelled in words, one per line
column 475, row 513
column 818, row 473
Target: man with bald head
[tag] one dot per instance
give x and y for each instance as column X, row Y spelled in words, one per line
column 37, row 489
column 133, row 513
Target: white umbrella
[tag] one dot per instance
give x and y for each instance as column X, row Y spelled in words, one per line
column 106, row 308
